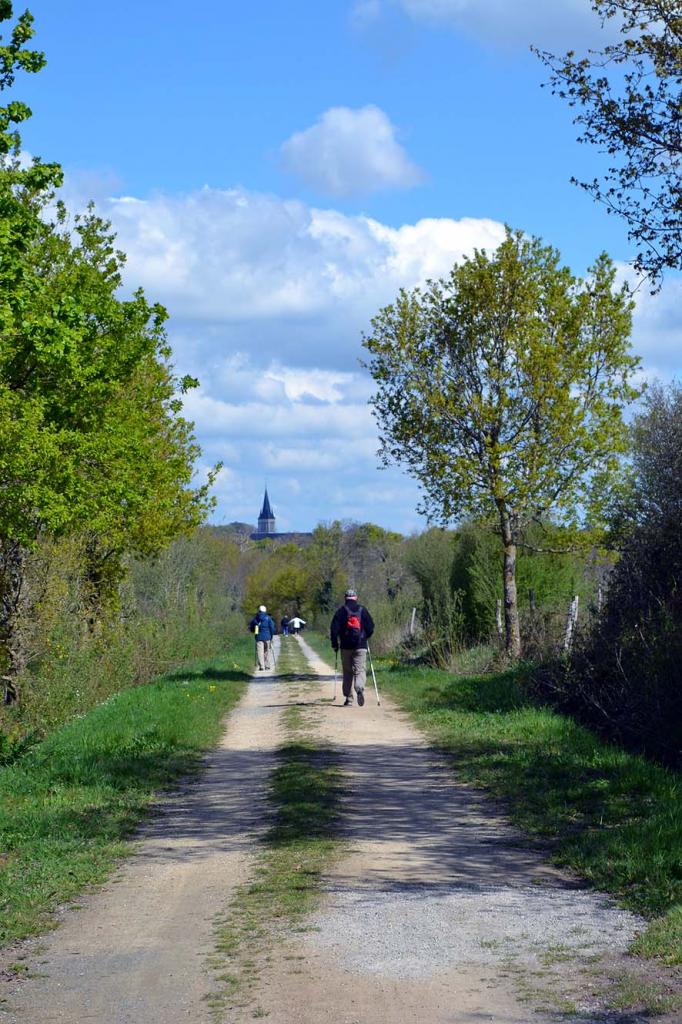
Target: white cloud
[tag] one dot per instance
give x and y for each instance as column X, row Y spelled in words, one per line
column 657, row 329
column 276, row 279
column 561, row 23
column 319, row 458
column 268, row 299
column 350, row 152
column 284, row 421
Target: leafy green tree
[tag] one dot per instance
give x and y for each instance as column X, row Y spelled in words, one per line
column 91, row 435
column 373, row 560
column 629, row 101
column 546, row 567
column 501, row 389
column 327, row 575
column 281, row 582
column 430, row 557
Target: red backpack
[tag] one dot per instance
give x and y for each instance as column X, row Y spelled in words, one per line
column 352, row 631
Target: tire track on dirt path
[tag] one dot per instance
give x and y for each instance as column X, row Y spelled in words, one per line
column 441, row 911
column 135, row 951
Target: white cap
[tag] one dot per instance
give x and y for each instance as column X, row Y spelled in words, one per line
column 262, row 608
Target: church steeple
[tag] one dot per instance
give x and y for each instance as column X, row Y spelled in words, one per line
column 266, row 519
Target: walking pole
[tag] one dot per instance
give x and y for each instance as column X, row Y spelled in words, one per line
column 272, row 649
column 371, row 665
column 336, row 665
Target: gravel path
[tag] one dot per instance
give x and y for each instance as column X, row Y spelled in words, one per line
column 440, row 904
column 439, row 913
column 135, row 951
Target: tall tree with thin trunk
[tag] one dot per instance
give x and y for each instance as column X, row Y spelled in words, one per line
column 501, row 389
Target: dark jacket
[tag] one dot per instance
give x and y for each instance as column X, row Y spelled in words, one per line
column 266, row 626
column 338, row 626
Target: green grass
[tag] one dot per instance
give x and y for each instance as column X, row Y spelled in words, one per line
column 69, row 803
column 613, row 817
column 301, row 842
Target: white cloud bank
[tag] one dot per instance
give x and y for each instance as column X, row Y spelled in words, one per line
column 268, row 299
column 249, row 272
column 555, row 23
column 350, row 152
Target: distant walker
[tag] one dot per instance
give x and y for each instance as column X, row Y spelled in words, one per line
column 263, row 627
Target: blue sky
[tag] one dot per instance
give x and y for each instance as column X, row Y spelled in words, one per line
column 276, row 172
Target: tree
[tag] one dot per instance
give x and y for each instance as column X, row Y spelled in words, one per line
column 629, row 97
column 281, row 582
column 91, row 436
column 324, row 562
column 501, row 390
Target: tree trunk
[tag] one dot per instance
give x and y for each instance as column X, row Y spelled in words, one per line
column 13, row 597
column 512, row 630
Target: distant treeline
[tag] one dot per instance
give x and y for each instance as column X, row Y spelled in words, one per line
column 434, row 595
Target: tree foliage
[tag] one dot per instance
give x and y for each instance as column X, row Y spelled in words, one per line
column 91, row 434
column 501, row 390
column 629, row 101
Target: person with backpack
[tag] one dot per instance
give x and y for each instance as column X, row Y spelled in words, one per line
column 351, row 628
column 264, row 628
column 285, row 625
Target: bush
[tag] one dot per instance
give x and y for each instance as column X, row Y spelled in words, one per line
column 625, row 675
column 165, row 611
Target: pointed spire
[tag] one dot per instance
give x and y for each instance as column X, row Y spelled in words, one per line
column 266, row 511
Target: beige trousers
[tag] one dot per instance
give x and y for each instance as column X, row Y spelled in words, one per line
column 263, row 648
column 354, row 664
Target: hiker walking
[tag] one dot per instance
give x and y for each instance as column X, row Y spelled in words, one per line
column 350, row 630
column 296, row 624
column 264, row 628
column 285, row 625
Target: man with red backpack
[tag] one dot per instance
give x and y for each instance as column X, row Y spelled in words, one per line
column 350, row 630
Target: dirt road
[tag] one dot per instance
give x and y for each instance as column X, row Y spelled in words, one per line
column 439, row 913
column 135, row 951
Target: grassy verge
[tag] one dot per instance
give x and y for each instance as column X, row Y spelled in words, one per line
column 69, row 803
column 300, row 843
column 613, row 817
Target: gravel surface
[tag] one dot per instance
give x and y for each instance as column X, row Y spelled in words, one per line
column 435, row 915
column 135, row 952
column 416, row 934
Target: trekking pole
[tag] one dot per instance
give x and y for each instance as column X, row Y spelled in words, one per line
column 371, row 665
column 274, row 657
column 336, row 669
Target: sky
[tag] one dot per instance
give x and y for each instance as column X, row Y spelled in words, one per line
column 276, row 173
